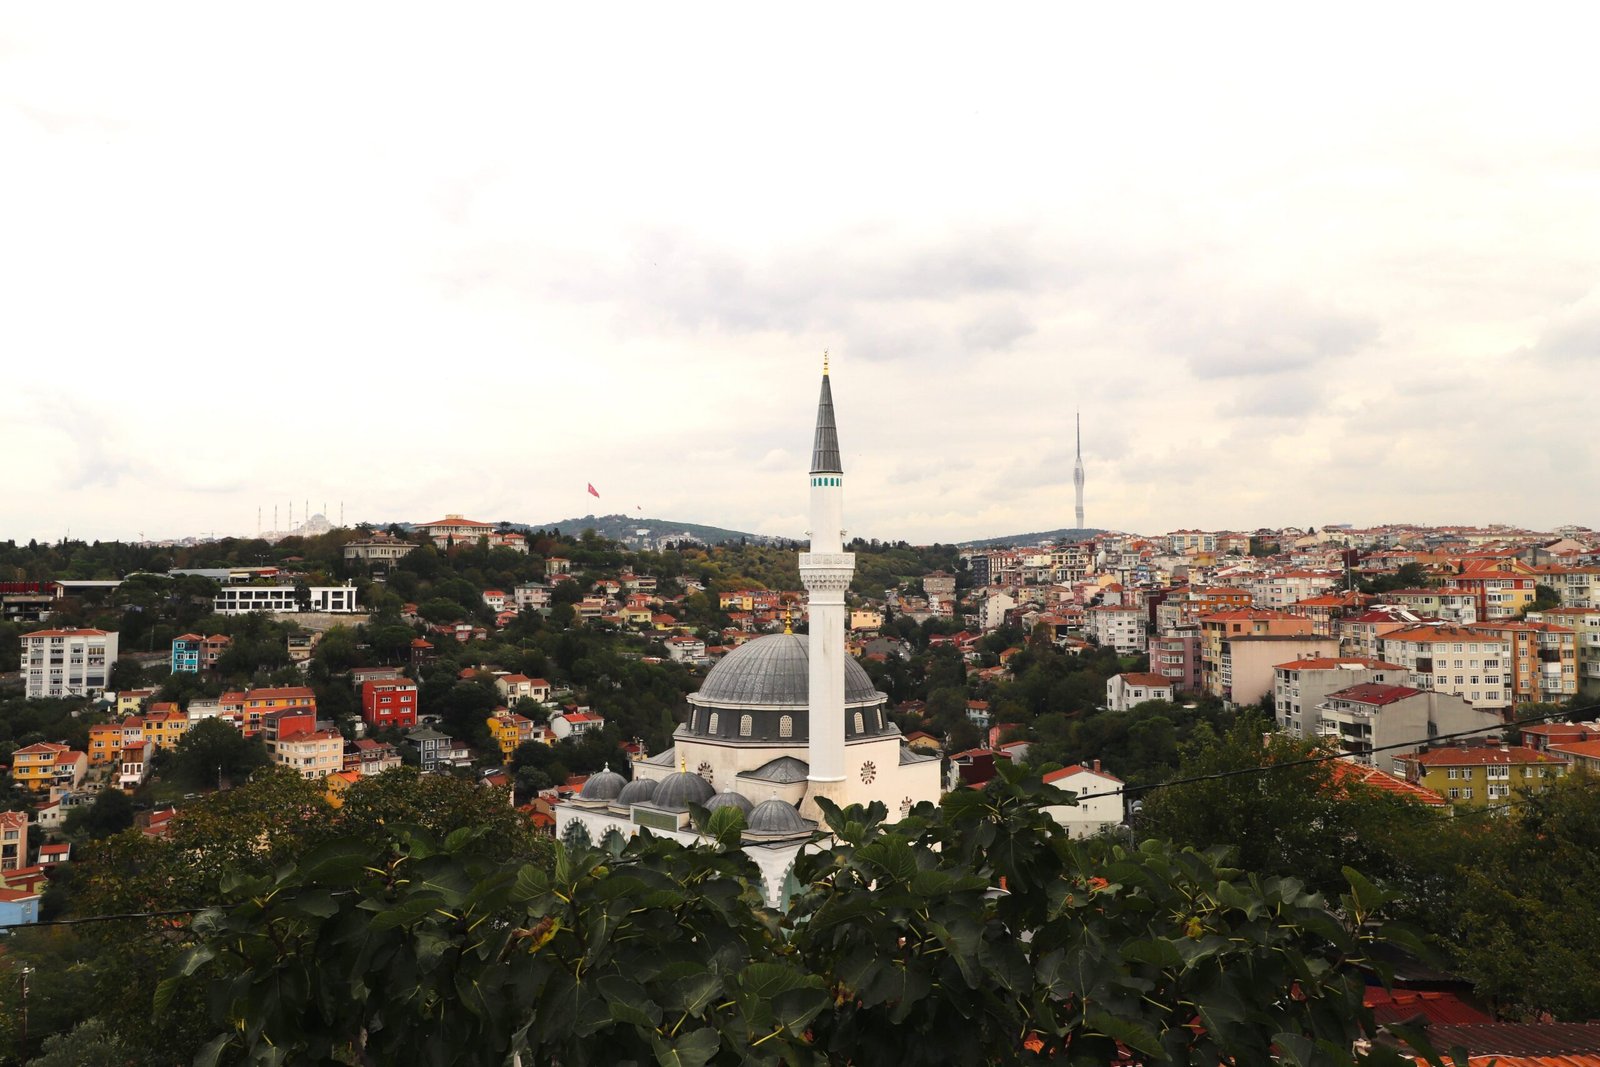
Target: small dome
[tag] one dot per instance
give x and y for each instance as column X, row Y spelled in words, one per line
column 637, row 791
column 606, row 785
column 730, row 799
column 775, row 817
column 775, row 671
column 682, row 789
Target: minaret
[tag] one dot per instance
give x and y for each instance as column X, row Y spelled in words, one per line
column 1077, row 472
column 825, row 571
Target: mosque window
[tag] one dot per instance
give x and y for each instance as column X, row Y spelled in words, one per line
column 785, row 726
column 861, row 725
column 711, row 727
column 746, row 724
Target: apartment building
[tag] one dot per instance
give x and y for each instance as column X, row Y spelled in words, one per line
column 1578, row 587
column 1479, row 776
column 1125, row 691
column 311, row 753
column 1366, row 721
column 67, row 662
column 1544, row 659
column 1118, row 626
column 1453, row 659
column 1585, row 625
column 1300, row 686
column 1176, row 657
column 1215, row 629
column 1459, row 606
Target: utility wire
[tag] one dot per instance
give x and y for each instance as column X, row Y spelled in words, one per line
column 1236, row 773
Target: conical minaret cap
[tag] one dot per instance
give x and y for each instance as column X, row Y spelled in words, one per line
column 825, row 449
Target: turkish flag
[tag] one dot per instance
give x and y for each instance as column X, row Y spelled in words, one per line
column 592, row 490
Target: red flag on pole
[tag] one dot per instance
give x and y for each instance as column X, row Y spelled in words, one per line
column 592, row 490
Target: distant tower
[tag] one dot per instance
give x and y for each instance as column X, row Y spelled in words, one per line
column 825, row 571
column 1077, row 472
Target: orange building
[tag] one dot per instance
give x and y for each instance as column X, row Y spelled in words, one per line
column 247, row 708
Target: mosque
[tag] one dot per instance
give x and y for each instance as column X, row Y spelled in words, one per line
column 781, row 721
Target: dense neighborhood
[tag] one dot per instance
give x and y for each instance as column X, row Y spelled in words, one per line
column 1435, row 666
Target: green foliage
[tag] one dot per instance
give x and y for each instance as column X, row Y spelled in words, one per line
column 897, row 948
column 1282, row 815
column 110, row 813
column 213, row 750
column 1529, row 910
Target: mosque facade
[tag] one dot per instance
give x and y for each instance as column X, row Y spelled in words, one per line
column 779, row 722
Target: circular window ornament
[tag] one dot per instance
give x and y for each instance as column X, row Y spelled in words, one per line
column 869, row 771
column 704, row 770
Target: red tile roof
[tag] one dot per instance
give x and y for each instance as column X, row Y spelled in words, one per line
column 1478, row 757
column 1375, row 693
column 1324, row 663
column 1345, row 772
column 68, row 633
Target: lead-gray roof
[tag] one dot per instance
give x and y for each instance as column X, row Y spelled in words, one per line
column 775, row 817
column 785, row 770
column 678, row 791
column 637, row 791
column 775, row 671
column 606, row 785
column 730, row 799
column 825, row 446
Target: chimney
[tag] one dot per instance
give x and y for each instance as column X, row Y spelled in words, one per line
column 1097, row 766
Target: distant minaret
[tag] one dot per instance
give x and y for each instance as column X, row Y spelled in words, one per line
column 825, row 571
column 1077, row 471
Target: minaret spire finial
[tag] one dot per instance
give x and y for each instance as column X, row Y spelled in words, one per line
column 788, row 618
column 824, row 362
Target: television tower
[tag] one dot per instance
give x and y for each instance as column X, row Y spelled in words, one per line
column 1077, row 469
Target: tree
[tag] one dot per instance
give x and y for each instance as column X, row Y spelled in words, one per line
column 1528, row 933
column 896, row 947
column 110, row 813
column 212, row 750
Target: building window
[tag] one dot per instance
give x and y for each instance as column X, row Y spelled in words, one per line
column 861, row 726
column 746, row 724
column 785, row 726
column 711, row 726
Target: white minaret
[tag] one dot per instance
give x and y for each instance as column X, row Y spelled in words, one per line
column 1077, row 472
column 826, row 571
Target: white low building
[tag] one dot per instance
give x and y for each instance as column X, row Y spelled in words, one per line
column 1099, row 795
column 243, row 599
column 1126, row 691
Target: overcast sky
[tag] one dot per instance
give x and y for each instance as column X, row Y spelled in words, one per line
column 1294, row 268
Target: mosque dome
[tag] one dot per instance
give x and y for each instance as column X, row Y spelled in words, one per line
column 758, row 694
column 607, row 785
column 638, row 791
column 775, row 672
column 730, row 799
column 775, row 817
column 678, row 791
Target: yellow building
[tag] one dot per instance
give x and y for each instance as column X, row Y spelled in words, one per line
column 105, row 743
column 1481, row 775
column 34, row 767
column 165, row 726
column 510, row 730
column 132, row 701
column 337, row 783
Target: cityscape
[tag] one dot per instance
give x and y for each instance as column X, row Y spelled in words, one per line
column 697, row 536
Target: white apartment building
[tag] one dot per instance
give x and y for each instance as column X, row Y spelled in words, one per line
column 1451, row 659
column 243, row 599
column 1290, row 587
column 1299, row 686
column 1117, row 626
column 67, row 662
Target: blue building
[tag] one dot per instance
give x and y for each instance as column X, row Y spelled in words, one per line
column 18, row 907
column 186, row 654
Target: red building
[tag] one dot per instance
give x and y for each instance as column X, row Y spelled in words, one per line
column 286, row 722
column 389, row 702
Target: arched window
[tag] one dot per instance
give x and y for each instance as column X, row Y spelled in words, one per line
column 576, row 835
column 746, row 724
column 711, row 726
column 785, row 726
column 861, row 726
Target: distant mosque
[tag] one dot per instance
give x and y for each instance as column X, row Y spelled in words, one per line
column 781, row 721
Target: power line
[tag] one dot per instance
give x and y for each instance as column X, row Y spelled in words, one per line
column 1330, row 756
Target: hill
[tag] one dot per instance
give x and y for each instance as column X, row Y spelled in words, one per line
column 639, row 532
column 1031, row 538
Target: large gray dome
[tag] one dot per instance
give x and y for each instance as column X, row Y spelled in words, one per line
column 775, row 672
column 638, row 791
column 730, row 799
column 606, row 785
column 678, row 791
column 775, row 817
